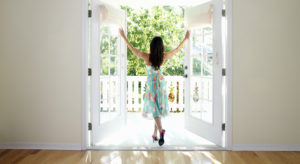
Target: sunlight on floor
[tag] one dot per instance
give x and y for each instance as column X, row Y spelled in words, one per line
column 138, row 132
column 211, row 157
column 172, row 157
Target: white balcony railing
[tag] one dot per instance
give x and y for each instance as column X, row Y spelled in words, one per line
column 135, row 92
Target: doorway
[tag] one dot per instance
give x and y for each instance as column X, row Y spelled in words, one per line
column 195, row 111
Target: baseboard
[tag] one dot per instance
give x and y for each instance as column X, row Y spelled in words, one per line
column 48, row 146
column 266, row 147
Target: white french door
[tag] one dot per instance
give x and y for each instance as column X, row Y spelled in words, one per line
column 108, row 62
column 203, row 67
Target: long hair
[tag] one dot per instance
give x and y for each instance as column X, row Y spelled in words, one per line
column 156, row 52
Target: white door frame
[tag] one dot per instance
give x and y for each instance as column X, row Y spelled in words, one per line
column 84, row 75
column 228, row 94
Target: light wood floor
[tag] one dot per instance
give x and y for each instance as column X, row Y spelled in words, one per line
column 133, row 157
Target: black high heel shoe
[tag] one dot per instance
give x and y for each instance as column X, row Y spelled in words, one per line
column 154, row 138
column 161, row 139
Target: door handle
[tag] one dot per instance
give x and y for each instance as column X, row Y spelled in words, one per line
column 185, row 75
column 186, row 67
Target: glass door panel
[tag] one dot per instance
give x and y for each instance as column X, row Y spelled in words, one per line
column 204, row 80
column 109, row 73
column 201, row 79
column 108, row 54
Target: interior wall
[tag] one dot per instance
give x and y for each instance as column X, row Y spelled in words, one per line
column 266, row 65
column 40, row 69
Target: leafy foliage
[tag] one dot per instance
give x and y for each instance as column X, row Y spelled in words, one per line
column 143, row 25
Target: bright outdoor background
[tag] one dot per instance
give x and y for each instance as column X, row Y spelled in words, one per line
column 143, row 25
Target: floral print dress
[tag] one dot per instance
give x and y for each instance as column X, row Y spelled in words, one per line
column 156, row 99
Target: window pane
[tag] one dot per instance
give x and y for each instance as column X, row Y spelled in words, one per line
column 113, row 45
column 197, row 41
column 208, row 39
column 207, row 65
column 196, row 66
column 104, row 44
column 201, row 101
column 104, row 65
column 113, row 65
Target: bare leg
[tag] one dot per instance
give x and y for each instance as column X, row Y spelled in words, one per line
column 161, row 140
column 158, row 123
column 155, row 130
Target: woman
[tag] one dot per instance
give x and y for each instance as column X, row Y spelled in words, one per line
column 156, row 99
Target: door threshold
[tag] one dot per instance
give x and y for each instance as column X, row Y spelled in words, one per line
column 156, row 148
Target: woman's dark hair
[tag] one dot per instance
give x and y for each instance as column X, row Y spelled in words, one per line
column 156, row 52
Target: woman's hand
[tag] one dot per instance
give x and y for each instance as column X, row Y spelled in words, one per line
column 122, row 33
column 187, row 34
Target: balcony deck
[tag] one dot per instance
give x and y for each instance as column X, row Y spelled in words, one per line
column 138, row 131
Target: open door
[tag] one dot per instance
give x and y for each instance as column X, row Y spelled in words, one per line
column 203, row 71
column 108, row 62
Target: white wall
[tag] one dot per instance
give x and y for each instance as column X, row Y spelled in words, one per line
column 266, row 70
column 40, row 70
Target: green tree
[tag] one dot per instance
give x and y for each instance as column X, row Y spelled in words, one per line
column 143, row 25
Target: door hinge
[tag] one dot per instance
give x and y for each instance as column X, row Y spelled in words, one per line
column 90, row 13
column 223, row 127
column 90, row 72
column 223, row 71
column 223, row 12
column 90, row 126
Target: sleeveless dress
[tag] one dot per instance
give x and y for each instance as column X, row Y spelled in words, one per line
column 156, row 99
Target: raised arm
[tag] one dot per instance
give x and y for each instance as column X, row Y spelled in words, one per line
column 134, row 50
column 173, row 52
